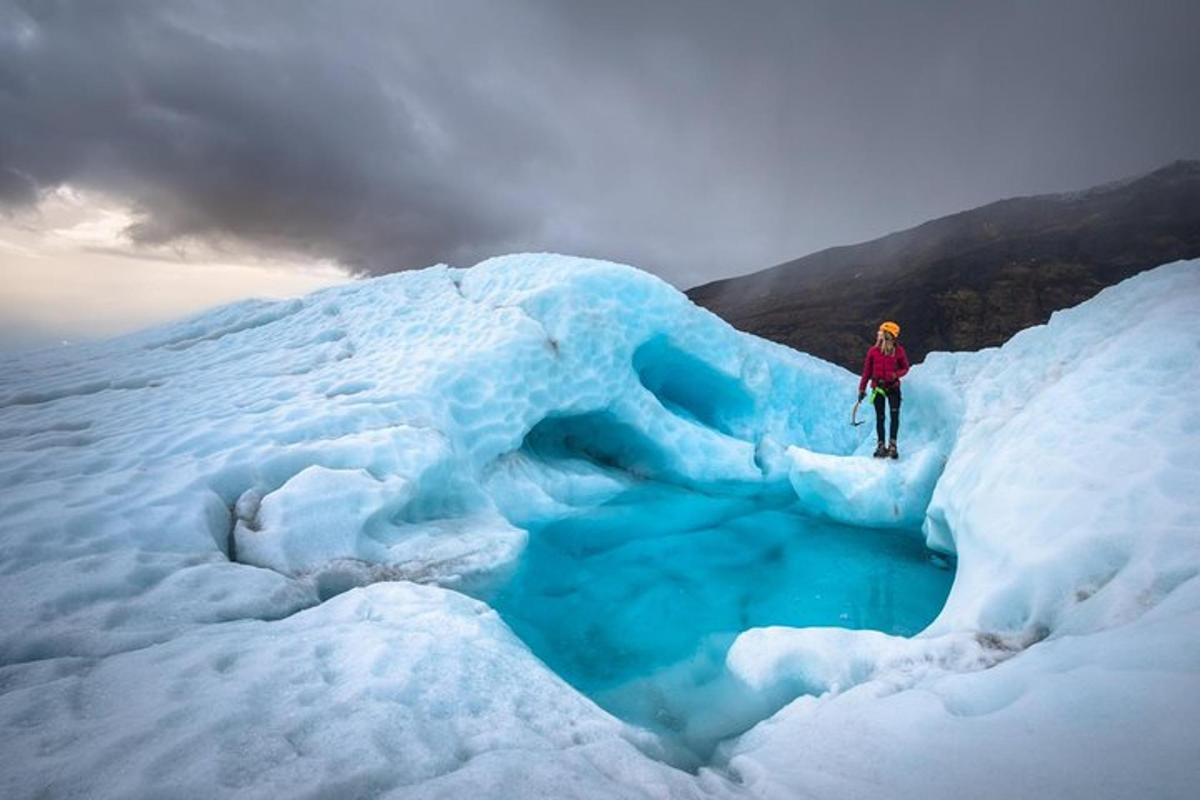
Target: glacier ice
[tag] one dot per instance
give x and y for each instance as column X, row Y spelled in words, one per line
column 185, row 513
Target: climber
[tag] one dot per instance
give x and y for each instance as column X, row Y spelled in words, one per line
column 884, row 366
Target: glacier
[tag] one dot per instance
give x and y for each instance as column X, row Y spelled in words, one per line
column 251, row 553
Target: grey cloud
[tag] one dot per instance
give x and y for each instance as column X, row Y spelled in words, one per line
column 248, row 132
column 696, row 139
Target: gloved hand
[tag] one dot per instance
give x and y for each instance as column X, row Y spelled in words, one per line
column 861, row 395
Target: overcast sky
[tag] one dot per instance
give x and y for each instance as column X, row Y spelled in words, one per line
column 694, row 139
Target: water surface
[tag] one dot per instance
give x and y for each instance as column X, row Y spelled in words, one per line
column 635, row 602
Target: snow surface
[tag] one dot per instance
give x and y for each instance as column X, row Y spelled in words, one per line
column 185, row 512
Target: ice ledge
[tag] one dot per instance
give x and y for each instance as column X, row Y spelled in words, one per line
column 870, row 492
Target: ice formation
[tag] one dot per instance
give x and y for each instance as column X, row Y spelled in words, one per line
column 185, row 513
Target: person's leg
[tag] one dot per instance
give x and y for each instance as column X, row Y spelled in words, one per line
column 878, row 401
column 894, row 402
column 894, row 428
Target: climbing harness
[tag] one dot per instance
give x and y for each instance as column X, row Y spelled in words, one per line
column 878, row 390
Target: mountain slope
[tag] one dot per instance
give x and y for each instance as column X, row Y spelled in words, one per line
column 972, row 279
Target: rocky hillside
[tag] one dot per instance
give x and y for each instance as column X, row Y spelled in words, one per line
column 972, row 279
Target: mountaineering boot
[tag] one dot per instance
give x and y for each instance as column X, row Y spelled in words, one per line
column 891, row 449
column 880, row 450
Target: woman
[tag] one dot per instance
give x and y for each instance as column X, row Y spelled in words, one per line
column 885, row 365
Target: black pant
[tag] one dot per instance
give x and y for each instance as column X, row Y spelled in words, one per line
column 893, row 400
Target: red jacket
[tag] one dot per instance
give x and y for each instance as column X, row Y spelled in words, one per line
column 883, row 369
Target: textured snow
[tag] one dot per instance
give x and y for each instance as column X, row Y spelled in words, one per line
column 185, row 512
column 396, row 688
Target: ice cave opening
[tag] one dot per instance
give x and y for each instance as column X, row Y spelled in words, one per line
column 635, row 602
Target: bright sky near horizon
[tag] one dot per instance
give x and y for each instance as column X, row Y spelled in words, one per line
column 69, row 272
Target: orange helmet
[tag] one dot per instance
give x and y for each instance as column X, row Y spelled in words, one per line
column 890, row 327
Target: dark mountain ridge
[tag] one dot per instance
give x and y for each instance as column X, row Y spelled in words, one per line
column 972, row 279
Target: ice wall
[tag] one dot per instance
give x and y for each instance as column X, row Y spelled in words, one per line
column 1070, row 491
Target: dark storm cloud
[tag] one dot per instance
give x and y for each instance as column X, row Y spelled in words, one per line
column 292, row 131
column 696, row 139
